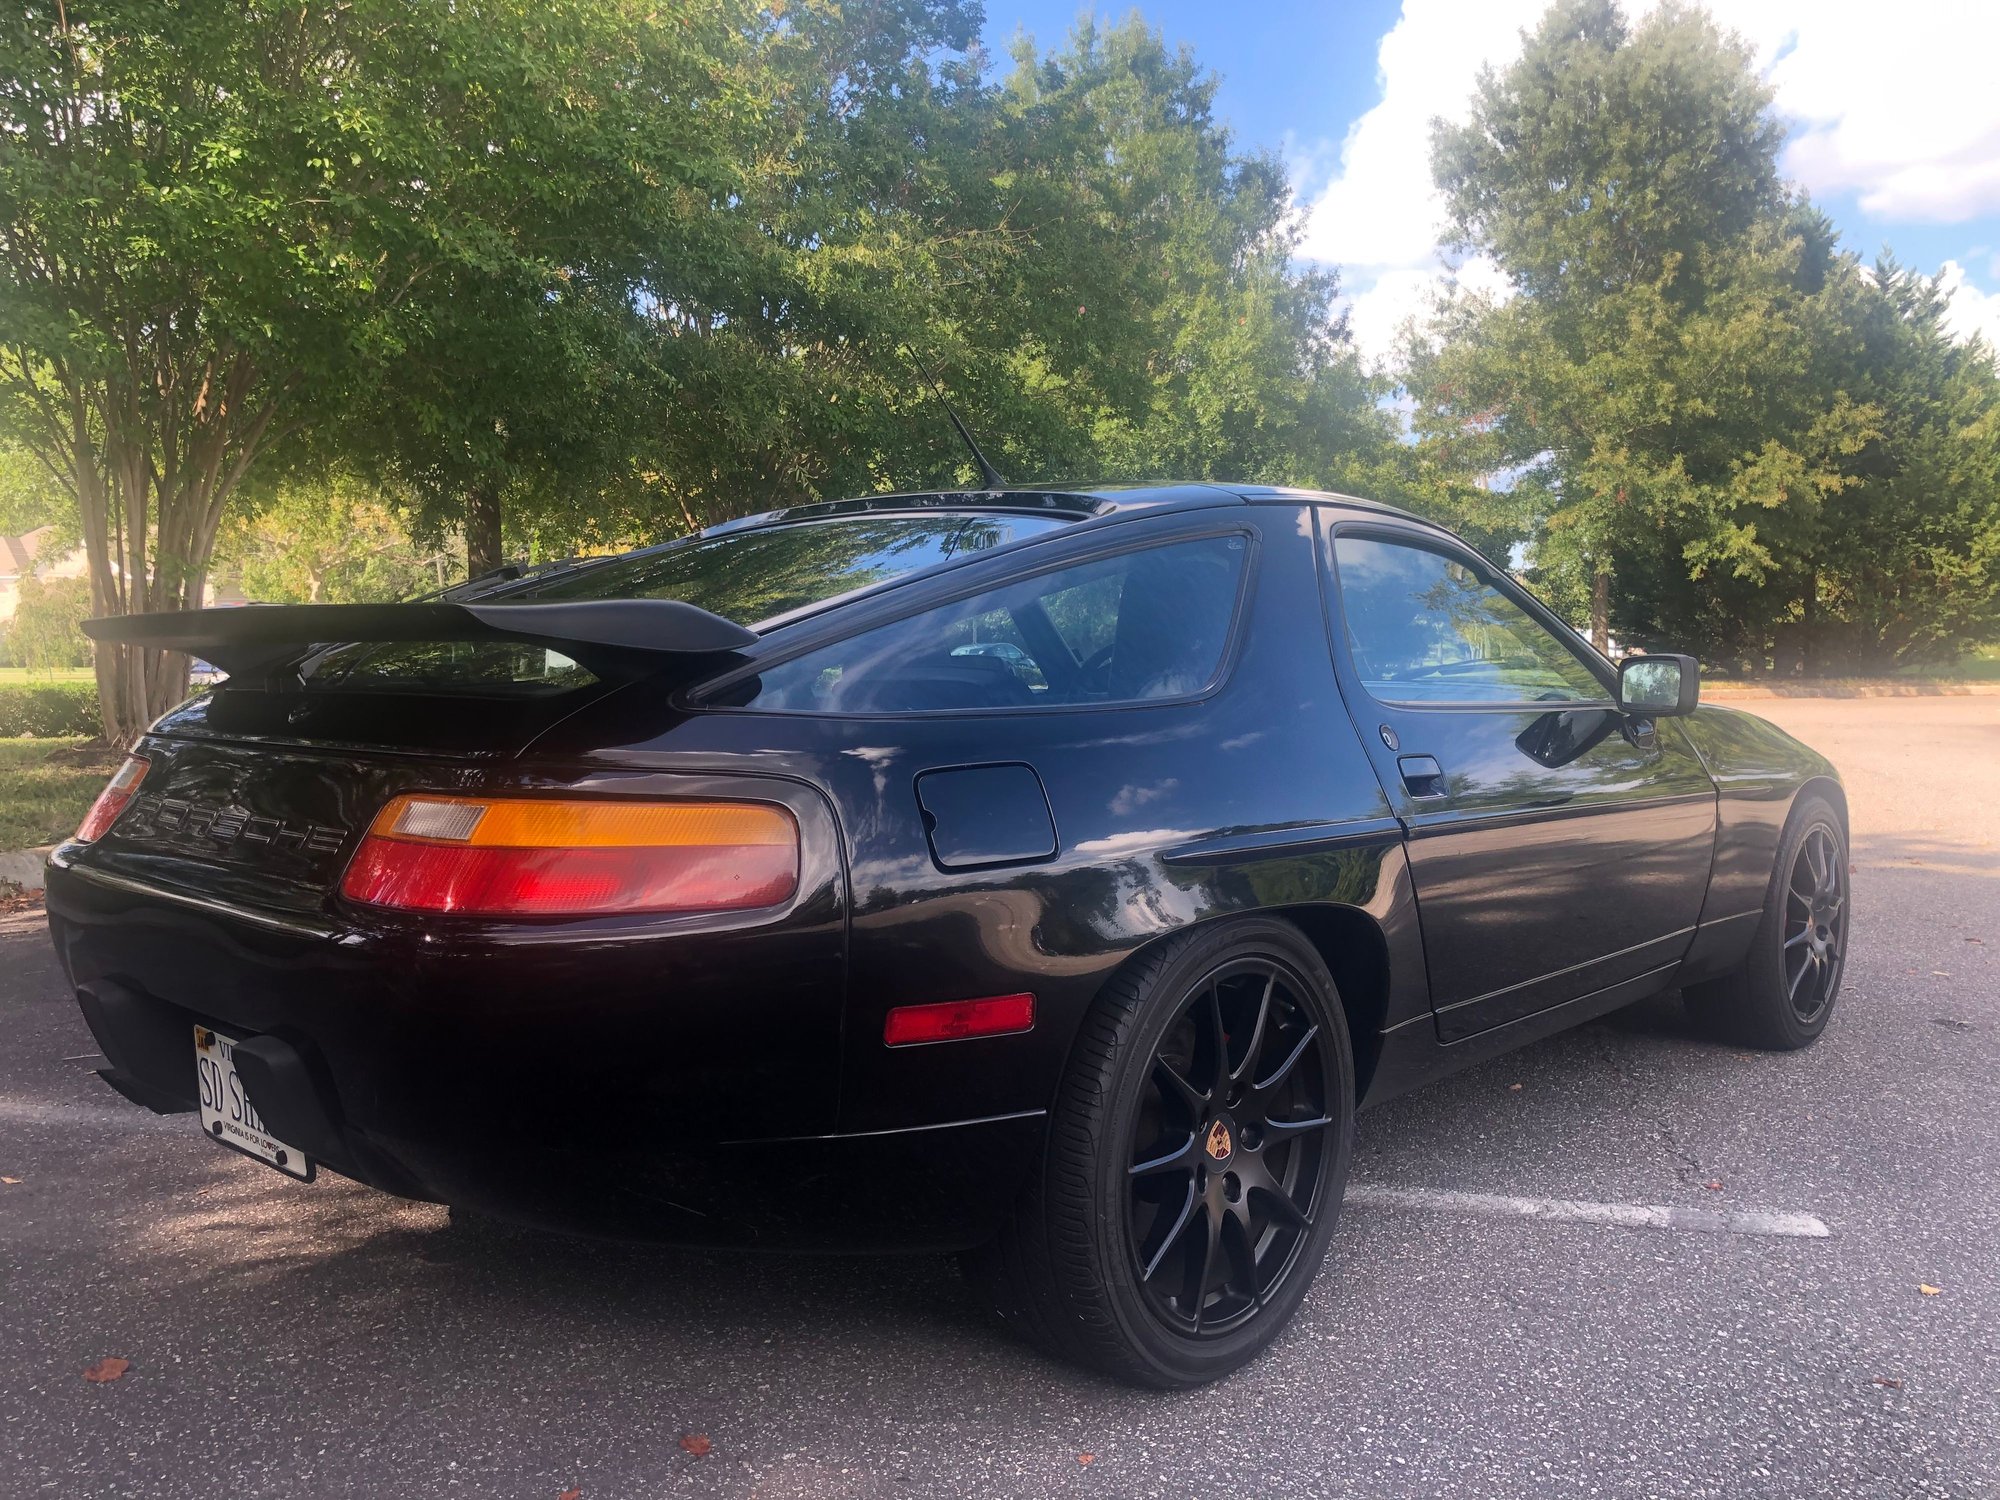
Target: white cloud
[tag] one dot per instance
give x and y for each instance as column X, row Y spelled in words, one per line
column 1400, row 293
column 1971, row 311
column 1899, row 109
column 1380, row 209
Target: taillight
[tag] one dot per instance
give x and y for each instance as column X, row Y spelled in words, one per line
column 112, row 800
column 547, row 857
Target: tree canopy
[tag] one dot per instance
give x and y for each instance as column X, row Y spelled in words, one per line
column 1707, row 412
column 355, row 289
column 578, row 271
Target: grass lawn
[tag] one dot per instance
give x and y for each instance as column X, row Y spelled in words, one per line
column 59, row 674
column 1982, row 666
column 46, row 786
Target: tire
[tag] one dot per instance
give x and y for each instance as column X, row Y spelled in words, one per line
column 1175, row 1275
column 1784, row 993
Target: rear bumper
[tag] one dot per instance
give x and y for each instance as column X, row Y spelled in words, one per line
column 681, row 1089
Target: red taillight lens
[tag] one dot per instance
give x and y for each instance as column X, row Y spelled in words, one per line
column 112, row 800
column 547, row 857
column 954, row 1020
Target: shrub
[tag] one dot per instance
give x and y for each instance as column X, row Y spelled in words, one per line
column 49, row 708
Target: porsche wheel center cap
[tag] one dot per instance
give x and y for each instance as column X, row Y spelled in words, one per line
column 1220, row 1142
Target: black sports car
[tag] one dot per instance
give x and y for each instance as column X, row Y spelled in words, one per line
column 1047, row 876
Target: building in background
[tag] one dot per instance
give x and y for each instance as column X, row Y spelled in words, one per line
column 36, row 554
column 31, row 555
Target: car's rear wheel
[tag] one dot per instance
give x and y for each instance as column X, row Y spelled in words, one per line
column 1195, row 1163
column 1784, row 993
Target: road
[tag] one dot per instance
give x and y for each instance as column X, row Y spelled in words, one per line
column 327, row 1340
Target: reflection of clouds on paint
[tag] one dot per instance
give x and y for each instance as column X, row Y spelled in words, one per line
column 1132, row 798
column 1243, row 741
column 884, row 882
column 1137, row 841
column 877, row 758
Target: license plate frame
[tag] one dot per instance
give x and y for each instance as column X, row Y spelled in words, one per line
column 228, row 1116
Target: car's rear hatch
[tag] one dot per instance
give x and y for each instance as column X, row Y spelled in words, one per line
column 257, row 792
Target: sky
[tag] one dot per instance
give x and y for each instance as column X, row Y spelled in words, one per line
column 1894, row 118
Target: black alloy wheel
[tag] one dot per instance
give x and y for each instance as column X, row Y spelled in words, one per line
column 1196, row 1159
column 1815, row 924
column 1227, row 1149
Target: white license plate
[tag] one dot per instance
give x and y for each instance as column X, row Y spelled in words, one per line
column 227, row 1114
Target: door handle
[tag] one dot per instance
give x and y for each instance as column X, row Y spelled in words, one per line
column 1422, row 775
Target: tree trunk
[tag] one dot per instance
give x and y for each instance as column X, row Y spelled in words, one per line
column 482, row 529
column 1809, row 652
column 1600, row 611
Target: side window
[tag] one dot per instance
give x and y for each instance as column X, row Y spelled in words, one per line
column 1425, row 628
column 1127, row 629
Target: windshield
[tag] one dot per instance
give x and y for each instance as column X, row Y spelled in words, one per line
column 756, row 575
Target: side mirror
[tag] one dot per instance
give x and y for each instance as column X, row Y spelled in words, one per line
column 1658, row 686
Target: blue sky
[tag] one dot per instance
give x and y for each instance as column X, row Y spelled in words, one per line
column 1895, row 120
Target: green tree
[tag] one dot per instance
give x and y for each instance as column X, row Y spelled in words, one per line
column 46, row 631
column 30, row 497
column 220, row 225
column 1654, row 373
column 1212, row 353
column 1905, row 568
column 1777, row 457
column 1104, row 280
column 336, row 541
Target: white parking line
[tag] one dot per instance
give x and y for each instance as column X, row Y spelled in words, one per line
column 133, row 1118
column 1577, row 1211
column 123, row 1117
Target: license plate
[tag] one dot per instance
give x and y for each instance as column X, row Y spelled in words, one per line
column 227, row 1114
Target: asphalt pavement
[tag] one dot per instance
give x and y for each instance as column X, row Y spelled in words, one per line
column 327, row 1340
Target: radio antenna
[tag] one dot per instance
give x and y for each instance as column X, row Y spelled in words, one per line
column 988, row 475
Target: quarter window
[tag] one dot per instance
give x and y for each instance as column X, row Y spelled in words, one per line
column 1133, row 628
column 1426, row 628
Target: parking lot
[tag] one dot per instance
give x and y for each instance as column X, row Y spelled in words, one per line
column 288, row 1340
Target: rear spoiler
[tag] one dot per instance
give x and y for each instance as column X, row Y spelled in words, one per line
column 615, row 638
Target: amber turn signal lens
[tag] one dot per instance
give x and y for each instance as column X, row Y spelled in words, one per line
column 521, row 856
column 113, row 800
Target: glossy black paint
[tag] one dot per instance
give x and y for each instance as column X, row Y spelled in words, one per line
column 724, row 1078
column 1608, row 821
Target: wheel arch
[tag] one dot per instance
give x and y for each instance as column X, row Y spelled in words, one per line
column 1833, row 791
column 1355, row 951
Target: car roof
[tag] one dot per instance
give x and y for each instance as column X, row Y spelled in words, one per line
column 1079, row 502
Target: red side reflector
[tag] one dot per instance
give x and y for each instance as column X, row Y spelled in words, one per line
column 955, row 1020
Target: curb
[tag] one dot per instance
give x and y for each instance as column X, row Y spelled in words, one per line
column 1726, row 691
column 25, row 867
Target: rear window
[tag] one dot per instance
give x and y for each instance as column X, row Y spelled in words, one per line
column 747, row 576
column 506, row 667
column 1133, row 628
column 757, row 575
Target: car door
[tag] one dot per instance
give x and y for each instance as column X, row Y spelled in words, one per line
column 1557, row 846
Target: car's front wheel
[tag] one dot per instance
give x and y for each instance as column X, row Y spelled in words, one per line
column 1195, row 1163
column 1784, row 993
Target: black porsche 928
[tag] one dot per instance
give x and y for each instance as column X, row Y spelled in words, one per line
column 1046, row 876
